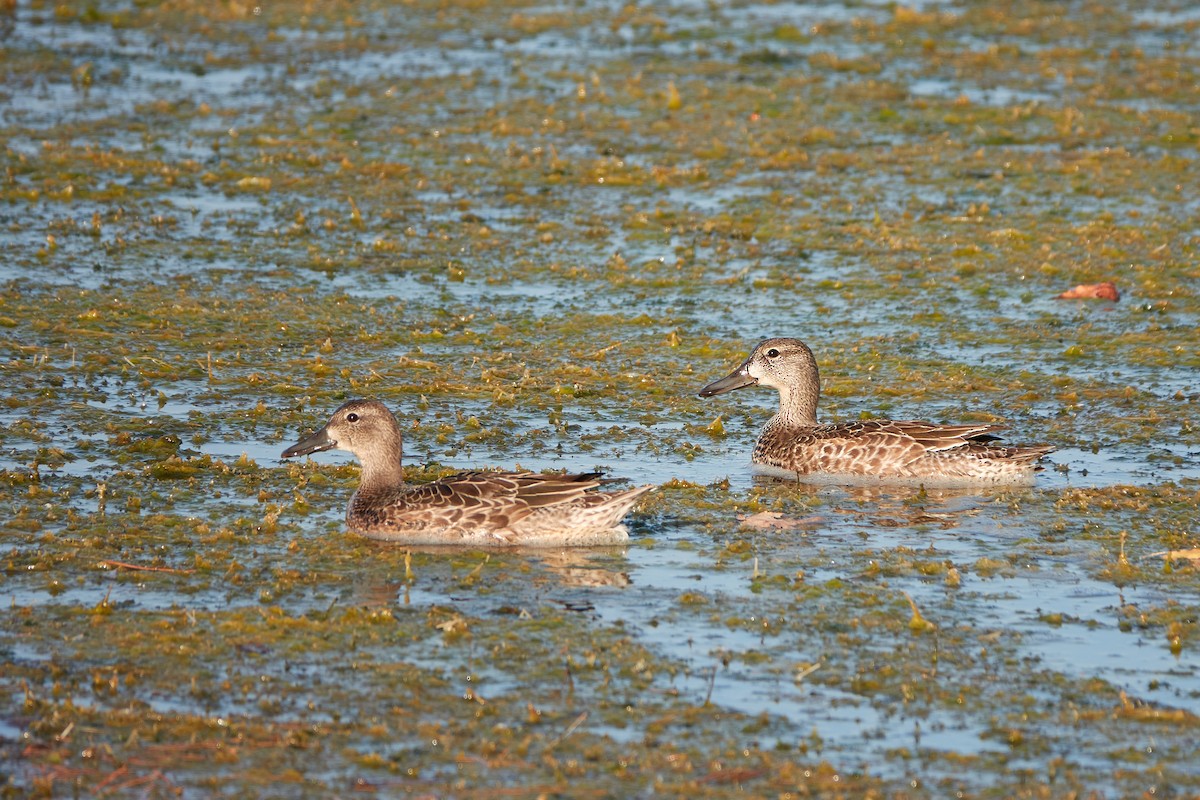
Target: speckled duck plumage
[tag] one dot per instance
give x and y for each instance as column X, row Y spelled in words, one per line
column 471, row 508
column 888, row 450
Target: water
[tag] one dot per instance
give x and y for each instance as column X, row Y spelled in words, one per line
column 856, row 247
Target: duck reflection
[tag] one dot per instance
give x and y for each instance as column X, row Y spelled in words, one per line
column 520, row 576
column 882, row 505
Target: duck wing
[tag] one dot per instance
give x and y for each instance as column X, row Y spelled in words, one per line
column 879, row 446
column 931, row 437
column 471, row 500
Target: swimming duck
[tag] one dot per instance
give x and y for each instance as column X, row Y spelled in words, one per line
column 471, row 508
column 887, row 450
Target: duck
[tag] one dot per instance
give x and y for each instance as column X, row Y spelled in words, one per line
column 795, row 444
column 470, row 508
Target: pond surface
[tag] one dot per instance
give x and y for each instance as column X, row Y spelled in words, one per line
column 535, row 231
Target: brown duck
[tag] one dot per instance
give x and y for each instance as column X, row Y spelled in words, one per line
column 887, row 450
column 471, row 508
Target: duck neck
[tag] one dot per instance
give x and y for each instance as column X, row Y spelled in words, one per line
column 798, row 397
column 798, row 407
column 383, row 470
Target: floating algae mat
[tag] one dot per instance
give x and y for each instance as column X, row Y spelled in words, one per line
column 535, row 231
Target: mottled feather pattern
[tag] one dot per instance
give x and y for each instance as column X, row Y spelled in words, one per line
column 479, row 508
column 793, row 440
column 469, row 500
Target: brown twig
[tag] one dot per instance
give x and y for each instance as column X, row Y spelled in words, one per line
column 119, row 772
column 140, row 568
column 570, row 729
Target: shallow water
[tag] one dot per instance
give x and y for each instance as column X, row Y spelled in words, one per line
column 536, row 232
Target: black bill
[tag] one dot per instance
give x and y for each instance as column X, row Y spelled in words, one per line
column 314, row 444
column 737, row 379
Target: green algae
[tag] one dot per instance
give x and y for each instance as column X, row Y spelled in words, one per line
column 539, row 259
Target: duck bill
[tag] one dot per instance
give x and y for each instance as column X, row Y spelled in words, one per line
column 314, row 444
column 738, row 379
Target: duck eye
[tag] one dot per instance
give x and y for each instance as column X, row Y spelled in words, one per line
column 352, row 417
column 773, row 353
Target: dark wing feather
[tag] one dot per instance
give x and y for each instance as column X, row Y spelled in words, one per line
column 937, row 438
column 491, row 500
column 547, row 490
column 865, row 442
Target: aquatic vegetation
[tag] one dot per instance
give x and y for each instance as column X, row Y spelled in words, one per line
column 536, row 232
